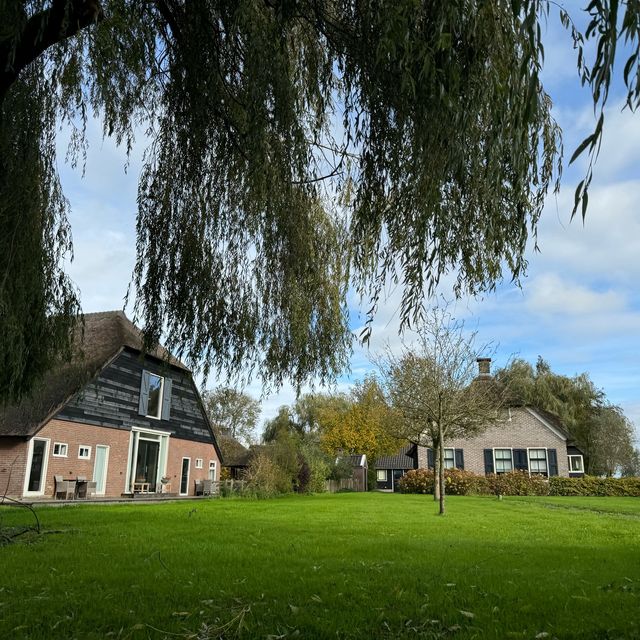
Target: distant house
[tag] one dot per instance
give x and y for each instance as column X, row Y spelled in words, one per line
column 235, row 455
column 128, row 421
column 360, row 468
column 528, row 439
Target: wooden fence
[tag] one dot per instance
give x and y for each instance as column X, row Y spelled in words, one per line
column 346, row 484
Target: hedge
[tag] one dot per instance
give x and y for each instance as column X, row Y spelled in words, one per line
column 518, row 483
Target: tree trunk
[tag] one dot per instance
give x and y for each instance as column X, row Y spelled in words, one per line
column 441, row 468
column 436, row 470
column 63, row 19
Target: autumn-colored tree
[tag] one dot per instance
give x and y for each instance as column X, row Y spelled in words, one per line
column 357, row 423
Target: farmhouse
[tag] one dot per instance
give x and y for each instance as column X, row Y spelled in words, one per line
column 114, row 420
column 527, row 439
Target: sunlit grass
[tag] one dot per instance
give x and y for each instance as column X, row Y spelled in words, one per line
column 346, row 566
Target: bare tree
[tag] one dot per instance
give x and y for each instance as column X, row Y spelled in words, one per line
column 435, row 391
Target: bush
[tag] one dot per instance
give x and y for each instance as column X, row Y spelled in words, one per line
column 457, row 482
column 594, row 486
column 265, row 478
column 518, row 483
column 464, row 483
column 417, row 481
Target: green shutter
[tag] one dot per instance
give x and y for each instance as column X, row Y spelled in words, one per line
column 488, row 460
column 552, row 455
column 430, row 460
column 459, row 459
column 520, row 460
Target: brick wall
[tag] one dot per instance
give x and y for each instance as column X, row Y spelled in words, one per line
column 523, row 431
column 179, row 449
column 13, row 463
column 74, row 434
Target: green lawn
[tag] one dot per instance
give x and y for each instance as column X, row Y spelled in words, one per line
column 330, row 566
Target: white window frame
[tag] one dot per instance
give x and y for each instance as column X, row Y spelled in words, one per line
column 576, row 455
column 160, row 396
column 188, row 476
column 60, row 455
column 379, row 472
column 495, row 465
column 88, row 448
column 199, row 463
column 213, row 465
column 546, row 456
column 45, row 464
column 453, row 459
column 132, row 456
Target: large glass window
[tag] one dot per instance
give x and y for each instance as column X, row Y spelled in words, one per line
column 381, row 475
column 155, row 396
column 538, row 461
column 504, row 460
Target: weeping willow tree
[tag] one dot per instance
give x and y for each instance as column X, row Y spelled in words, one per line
column 296, row 148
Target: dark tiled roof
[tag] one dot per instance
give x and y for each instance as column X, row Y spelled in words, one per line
column 234, row 453
column 402, row 460
column 357, row 460
column 553, row 420
column 105, row 334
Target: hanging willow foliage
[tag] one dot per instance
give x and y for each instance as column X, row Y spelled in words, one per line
column 296, row 148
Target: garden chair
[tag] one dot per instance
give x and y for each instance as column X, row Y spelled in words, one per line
column 65, row 489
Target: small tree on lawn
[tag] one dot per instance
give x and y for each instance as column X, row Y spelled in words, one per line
column 435, row 391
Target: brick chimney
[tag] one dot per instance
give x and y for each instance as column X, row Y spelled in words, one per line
column 484, row 367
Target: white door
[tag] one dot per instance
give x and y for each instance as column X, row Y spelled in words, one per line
column 100, row 468
column 38, row 455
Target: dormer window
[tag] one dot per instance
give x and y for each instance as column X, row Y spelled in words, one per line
column 155, row 396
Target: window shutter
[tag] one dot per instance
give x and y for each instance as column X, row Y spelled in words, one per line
column 488, row 460
column 552, row 456
column 459, row 459
column 143, row 404
column 430, row 462
column 520, row 461
column 166, row 399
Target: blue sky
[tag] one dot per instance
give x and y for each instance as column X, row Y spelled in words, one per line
column 578, row 307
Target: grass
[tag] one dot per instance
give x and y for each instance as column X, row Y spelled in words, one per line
column 329, row 566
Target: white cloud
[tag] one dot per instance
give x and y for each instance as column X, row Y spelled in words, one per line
column 550, row 294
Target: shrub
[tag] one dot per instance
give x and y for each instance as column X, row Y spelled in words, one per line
column 518, row 483
column 594, row 486
column 417, row 481
column 464, row 483
column 265, row 478
column 457, row 482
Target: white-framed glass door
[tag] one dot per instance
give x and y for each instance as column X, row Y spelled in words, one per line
column 37, row 458
column 100, row 468
column 148, row 455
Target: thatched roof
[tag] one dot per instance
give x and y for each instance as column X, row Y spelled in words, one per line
column 234, row 453
column 105, row 335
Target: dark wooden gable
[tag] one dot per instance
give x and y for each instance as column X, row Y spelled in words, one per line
column 112, row 399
